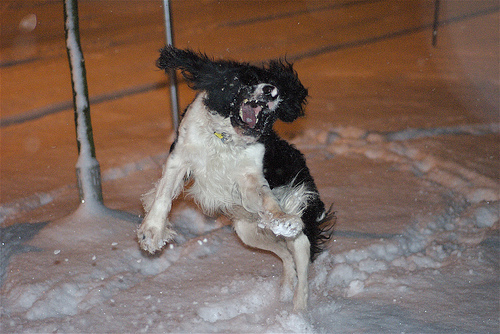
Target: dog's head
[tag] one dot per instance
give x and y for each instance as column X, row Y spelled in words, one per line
column 252, row 97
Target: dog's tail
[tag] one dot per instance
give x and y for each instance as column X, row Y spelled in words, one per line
column 319, row 230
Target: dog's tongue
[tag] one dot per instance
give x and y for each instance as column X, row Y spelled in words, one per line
column 249, row 114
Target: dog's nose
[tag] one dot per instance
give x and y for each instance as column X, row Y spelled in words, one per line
column 270, row 91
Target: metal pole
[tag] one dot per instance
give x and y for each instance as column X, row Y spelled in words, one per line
column 435, row 23
column 174, row 99
column 87, row 167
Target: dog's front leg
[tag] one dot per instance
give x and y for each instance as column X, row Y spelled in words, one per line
column 276, row 220
column 155, row 230
column 258, row 198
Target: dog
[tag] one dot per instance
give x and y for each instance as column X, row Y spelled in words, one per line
column 237, row 165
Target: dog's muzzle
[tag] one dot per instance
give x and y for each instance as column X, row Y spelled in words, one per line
column 264, row 99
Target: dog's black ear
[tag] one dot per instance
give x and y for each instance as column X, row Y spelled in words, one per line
column 293, row 93
column 191, row 64
column 201, row 72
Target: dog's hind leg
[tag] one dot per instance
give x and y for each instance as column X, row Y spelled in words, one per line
column 300, row 249
column 256, row 237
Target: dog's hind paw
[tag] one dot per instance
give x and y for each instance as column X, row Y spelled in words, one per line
column 299, row 303
column 283, row 224
column 151, row 239
column 286, row 293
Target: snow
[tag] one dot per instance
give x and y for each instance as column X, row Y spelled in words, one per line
column 414, row 179
column 208, row 281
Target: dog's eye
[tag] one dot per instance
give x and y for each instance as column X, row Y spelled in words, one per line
column 270, row 90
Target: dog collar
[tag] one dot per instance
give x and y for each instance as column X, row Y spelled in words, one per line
column 224, row 137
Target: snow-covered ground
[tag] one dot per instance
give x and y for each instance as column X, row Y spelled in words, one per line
column 403, row 138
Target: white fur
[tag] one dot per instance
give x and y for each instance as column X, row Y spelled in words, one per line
column 227, row 176
column 293, row 199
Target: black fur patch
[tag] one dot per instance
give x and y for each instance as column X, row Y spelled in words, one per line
column 283, row 164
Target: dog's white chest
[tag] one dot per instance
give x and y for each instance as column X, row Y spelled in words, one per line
column 216, row 176
column 216, row 165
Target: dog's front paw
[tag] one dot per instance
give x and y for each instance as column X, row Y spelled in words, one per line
column 282, row 224
column 152, row 239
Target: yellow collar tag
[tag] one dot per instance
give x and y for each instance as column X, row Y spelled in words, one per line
column 224, row 137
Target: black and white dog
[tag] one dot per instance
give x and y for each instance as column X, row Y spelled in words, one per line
column 239, row 166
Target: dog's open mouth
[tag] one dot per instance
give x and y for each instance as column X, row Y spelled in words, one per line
column 250, row 111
